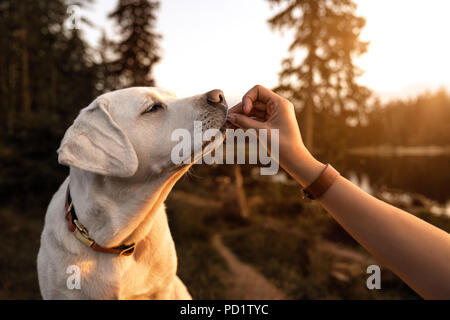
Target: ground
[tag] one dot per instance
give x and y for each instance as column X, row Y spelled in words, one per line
column 245, row 282
column 285, row 250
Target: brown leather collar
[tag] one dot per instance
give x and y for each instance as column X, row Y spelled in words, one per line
column 82, row 234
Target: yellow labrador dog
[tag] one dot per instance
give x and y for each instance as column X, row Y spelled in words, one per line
column 106, row 234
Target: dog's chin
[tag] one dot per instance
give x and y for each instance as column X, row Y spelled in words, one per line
column 221, row 125
column 223, row 128
column 207, row 147
column 211, row 145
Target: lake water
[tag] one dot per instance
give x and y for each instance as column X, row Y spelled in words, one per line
column 425, row 175
column 429, row 176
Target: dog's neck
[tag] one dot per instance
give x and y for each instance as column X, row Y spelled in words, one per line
column 119, row 211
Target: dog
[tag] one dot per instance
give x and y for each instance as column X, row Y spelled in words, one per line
column 106, row 234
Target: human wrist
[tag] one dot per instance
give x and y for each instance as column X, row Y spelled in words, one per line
column 302, row 166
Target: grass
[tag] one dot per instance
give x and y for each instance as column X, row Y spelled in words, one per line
column 200, row 267
column 19, row 245
column 295, row 266
column 266, row 250
column 279, row 240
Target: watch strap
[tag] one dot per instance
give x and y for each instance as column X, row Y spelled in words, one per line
column 323, row 182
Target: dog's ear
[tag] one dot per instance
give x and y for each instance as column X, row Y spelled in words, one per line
column 95, row 143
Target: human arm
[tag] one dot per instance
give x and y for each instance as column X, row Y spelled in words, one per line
column 418, row 252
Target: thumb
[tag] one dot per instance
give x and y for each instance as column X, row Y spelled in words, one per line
column 245, row 122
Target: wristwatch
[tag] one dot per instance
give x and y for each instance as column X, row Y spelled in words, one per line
column 323, row 182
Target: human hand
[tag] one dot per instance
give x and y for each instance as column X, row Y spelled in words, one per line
column 262, row 108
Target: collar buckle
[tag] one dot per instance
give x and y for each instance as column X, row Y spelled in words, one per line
column 82, row 234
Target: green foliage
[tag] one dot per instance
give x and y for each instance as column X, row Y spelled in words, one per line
column 325, row 79
column 298, row 268
column 416, row 122
column 248, row 244
column 275, row 200
column 47, row 76
column 200, row 266
column 137, row 51
column 45, row 68
column 19, row 245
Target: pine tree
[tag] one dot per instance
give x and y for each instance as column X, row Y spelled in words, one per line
column 47, row 75
column 47, row 71
column 137, row 52
column 327, row 31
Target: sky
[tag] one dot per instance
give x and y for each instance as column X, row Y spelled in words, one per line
column 228, row 45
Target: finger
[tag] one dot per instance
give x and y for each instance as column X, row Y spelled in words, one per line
column 236, row 109
column 231, row 126
column 257, row 93
column 259, row 106
column 258, row 110
column 258, row 114
column 245, row 122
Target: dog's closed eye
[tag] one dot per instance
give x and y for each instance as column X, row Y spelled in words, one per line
column 154, row 107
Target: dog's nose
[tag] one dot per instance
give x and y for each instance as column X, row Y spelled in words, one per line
column 215, row 97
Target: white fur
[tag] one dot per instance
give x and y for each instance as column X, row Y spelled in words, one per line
column 120, row 175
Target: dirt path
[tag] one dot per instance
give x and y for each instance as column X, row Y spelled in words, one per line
column 245, row 283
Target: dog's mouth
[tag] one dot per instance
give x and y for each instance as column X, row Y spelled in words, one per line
column 223, row 127
column 218, row 121
column 208, row 146
column 211, row 121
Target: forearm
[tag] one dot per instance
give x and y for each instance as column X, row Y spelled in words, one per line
column 416, row 251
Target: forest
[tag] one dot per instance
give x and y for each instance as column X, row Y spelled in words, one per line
column 49, row 72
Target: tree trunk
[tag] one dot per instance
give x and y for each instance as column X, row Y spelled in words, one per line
column 309, row 124
column 12, row 114
column 311, row 63
column 309, row 105
column 53, row 93
column 26, row 96
column 9, row 125
column 240, row 192
column 26, row 100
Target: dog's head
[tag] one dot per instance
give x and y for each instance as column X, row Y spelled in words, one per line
column 128, row 132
